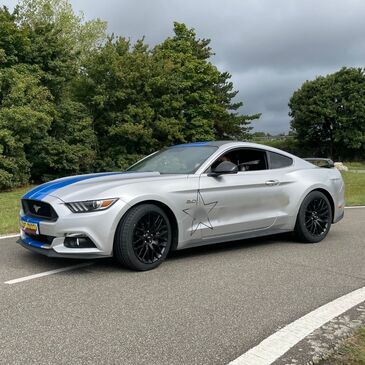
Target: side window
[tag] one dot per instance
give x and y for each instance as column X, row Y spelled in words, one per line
column 278, row 161
column 246, row 159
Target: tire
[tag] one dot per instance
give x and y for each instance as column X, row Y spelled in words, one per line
column 314, row 218
column 143, row 238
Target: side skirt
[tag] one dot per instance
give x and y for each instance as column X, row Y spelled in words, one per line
column 233, row 237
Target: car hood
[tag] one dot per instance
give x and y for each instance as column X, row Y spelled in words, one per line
column 90, row 186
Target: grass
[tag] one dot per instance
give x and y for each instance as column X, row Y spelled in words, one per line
column 355, row 165
column 9, row 201
column 9, row 212
column 351, row 353
column 355, row 188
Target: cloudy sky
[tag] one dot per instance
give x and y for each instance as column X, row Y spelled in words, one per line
column 269, row 47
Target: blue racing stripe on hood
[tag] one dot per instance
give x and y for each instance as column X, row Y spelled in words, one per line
column 192, row 144
column 45, row 189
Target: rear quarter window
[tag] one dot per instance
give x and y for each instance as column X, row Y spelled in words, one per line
column 278, row 161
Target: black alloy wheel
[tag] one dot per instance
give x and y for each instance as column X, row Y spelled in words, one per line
column 317, row 216
column 150, row 237
column 314, row 218
column 143, row 237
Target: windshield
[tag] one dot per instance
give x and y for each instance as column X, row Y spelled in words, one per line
column 175, row 160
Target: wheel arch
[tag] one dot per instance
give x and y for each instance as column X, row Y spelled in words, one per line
column 329, row 197
column 169, row 213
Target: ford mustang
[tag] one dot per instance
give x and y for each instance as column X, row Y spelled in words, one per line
column 182, row 196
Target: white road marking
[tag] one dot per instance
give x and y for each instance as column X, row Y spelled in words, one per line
column 276, row 345
column 46, row 273
column 10, row 236
column 356, row 207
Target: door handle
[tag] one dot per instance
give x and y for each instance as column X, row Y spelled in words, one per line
column 272, row 182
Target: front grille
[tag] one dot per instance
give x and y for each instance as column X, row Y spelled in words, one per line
column 39, row 209
column 41, row 238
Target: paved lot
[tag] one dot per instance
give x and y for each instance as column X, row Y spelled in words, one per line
column 202, row 306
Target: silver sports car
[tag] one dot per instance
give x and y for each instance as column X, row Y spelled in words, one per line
column 182, row 196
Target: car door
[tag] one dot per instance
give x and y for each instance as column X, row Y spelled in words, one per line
column 242, row 202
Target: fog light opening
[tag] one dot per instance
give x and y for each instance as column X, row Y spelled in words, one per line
column 78, row 241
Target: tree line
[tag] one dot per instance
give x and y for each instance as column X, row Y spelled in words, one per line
column 328, row 115
column 74, row 99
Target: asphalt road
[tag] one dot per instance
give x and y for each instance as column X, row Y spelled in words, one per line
column 202, row 306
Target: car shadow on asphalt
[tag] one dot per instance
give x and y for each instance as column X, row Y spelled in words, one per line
column 212, row 249
column 110, row 264
column 216, row 248
column 34, row 259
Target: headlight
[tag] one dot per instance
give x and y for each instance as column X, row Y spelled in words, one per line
column 90, row 205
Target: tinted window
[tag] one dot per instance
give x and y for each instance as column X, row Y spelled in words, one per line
column 278, row 161
column 246, row 159
column 178, row 159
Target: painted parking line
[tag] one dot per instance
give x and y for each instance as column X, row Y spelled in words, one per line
column 276, row 345
column 9, row 236
column 47, row 273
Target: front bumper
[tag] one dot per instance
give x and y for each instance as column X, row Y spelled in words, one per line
column 47, row 251
column 99, row 227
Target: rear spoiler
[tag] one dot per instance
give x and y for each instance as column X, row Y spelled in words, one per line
column 321, row 162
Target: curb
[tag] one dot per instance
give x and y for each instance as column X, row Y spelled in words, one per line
column 278, row 344
column 324, row 342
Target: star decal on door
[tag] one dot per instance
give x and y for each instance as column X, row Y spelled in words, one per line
column 200, row 213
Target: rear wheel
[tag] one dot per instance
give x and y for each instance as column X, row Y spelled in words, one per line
column 314, row 218
column 143, row 238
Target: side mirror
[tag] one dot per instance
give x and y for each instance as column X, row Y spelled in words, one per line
column 224, row 168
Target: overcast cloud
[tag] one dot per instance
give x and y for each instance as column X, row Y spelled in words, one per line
column 269, row 47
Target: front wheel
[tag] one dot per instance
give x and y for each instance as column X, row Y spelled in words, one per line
column 143, row 238
column 314, row 218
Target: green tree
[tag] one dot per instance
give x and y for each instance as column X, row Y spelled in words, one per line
column 80, row 37
column 200, row 95
column 72, row 100
column 59, row 39
column 143, row 99
column 25, row 117
column 69, row 146
column 14, row 42
column 42, row 47
column 328, row 114
column 113, row 86
column 60, row 42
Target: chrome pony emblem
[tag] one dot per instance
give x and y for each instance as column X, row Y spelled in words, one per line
column 36, row 208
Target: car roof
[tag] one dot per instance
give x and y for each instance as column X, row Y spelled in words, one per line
column 205, row 143
column 224, row 145
column 227, row 143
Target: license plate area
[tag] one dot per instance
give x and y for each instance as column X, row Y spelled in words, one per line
column 29, row 227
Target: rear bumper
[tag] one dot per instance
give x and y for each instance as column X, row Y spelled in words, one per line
column 339, row 217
